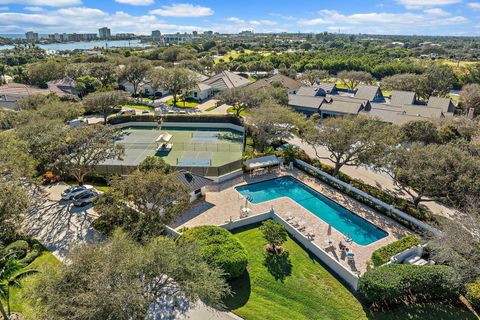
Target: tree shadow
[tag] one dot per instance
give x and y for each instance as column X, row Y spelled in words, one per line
column 241, row 289
column 279, row 265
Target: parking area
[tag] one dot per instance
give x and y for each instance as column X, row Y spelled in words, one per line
column 57, row 223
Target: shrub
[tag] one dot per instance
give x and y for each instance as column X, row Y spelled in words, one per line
column 19, row 246
column 30, row 257
column 473, row 293
column 397, row 283
column 219, row 248
column 275, row 233
column 382, row 255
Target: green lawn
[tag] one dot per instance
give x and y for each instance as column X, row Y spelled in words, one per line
column 138, row 106
column 19, row 303
column 188, row 104
column 297, row 286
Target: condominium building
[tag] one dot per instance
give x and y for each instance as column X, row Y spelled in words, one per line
column 30, row 35
column 104, row 33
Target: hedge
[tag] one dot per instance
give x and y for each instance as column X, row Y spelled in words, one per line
column 473, row 293
column 400, row 283
column 117, row 119
column 219, row 248
column 382, row 255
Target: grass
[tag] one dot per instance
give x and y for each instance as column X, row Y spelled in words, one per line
column 188, row 104
column 298, row 286
column 138, row 106
column 19, row 303
column 211, row 108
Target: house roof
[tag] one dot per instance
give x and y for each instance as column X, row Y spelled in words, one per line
column 304, row 101
column 311, row 91
column 422, row 111
column 261, row 162
column 226, row 80
column 367, row 92
column 16, row 91
column 328, row 87
column 64, row 82
column 342, row 106
column 400, row 98
column 203, row 86
column 445, row 104
column 191, row 180
column 287, row 82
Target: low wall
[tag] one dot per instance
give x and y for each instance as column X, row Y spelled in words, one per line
column 172, row 232
column 420, row 224
column 348, row 276
column 135, row 124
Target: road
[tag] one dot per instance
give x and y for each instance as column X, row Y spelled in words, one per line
column 371, row 177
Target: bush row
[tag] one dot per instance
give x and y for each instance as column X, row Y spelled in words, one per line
column 25, row 252
column 382, row 255
column 405, row 283
column 118, row 119
column 219, row 248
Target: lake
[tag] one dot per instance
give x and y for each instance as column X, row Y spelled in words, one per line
column 88, row 45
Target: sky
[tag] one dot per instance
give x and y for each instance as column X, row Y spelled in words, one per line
column 420, row 17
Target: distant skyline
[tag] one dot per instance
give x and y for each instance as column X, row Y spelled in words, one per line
column 420, row 17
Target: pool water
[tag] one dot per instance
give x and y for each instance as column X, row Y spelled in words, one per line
column 348, row 223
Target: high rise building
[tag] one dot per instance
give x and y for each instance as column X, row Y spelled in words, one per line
column 104, row 33
column 30, row 35
column 156, row 35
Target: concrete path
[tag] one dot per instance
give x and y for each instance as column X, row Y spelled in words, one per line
column 371, row 177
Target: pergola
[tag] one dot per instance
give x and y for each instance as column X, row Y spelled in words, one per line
column 261, row 162
column 163, row 141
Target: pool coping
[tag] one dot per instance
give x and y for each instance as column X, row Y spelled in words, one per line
column 330, row 199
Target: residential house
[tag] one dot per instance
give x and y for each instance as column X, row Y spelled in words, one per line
column 305, row 104
column 65, row 85
column 335, row 105
column 217, row 83
column 12, row 92
column 445, row 104
column 291, row 84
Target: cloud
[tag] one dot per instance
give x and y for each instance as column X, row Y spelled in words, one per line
column 235, row 20
column 86, row 20
column 437, row 12
column 474, row 5
column 183, row 10
column 35, row 9
column 263, row 22
column 50, row 3
column 382, row 22
column 419, row 4
column 137, row 2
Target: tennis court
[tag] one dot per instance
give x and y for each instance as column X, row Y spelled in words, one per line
column 190, row 147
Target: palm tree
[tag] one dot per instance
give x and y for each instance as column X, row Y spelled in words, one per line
column 11, row 272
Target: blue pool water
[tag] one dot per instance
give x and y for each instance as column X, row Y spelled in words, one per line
column 358, row 229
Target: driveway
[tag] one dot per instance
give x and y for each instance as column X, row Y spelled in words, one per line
column 58, row 224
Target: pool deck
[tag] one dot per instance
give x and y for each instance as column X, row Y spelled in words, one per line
column 223, row 202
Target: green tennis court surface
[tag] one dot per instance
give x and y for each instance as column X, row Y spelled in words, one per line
column 191, row 147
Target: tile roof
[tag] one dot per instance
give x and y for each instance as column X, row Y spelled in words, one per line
column 342, row 106
column 310, row 91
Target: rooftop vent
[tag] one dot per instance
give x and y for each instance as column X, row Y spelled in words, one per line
column 188, row 176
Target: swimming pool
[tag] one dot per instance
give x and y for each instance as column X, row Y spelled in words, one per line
column 358, row 229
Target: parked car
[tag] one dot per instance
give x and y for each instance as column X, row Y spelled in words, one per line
column 85, row 198
column 127, row 111
column 73, row 191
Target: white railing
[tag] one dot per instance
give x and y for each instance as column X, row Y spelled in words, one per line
column 348, row 276
column 420, row 224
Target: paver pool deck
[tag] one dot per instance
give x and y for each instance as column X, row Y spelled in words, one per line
column 223, row 202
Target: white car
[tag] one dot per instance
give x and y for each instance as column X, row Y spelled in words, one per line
column 84, row 198
column 72, row 191
column 127, row 111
